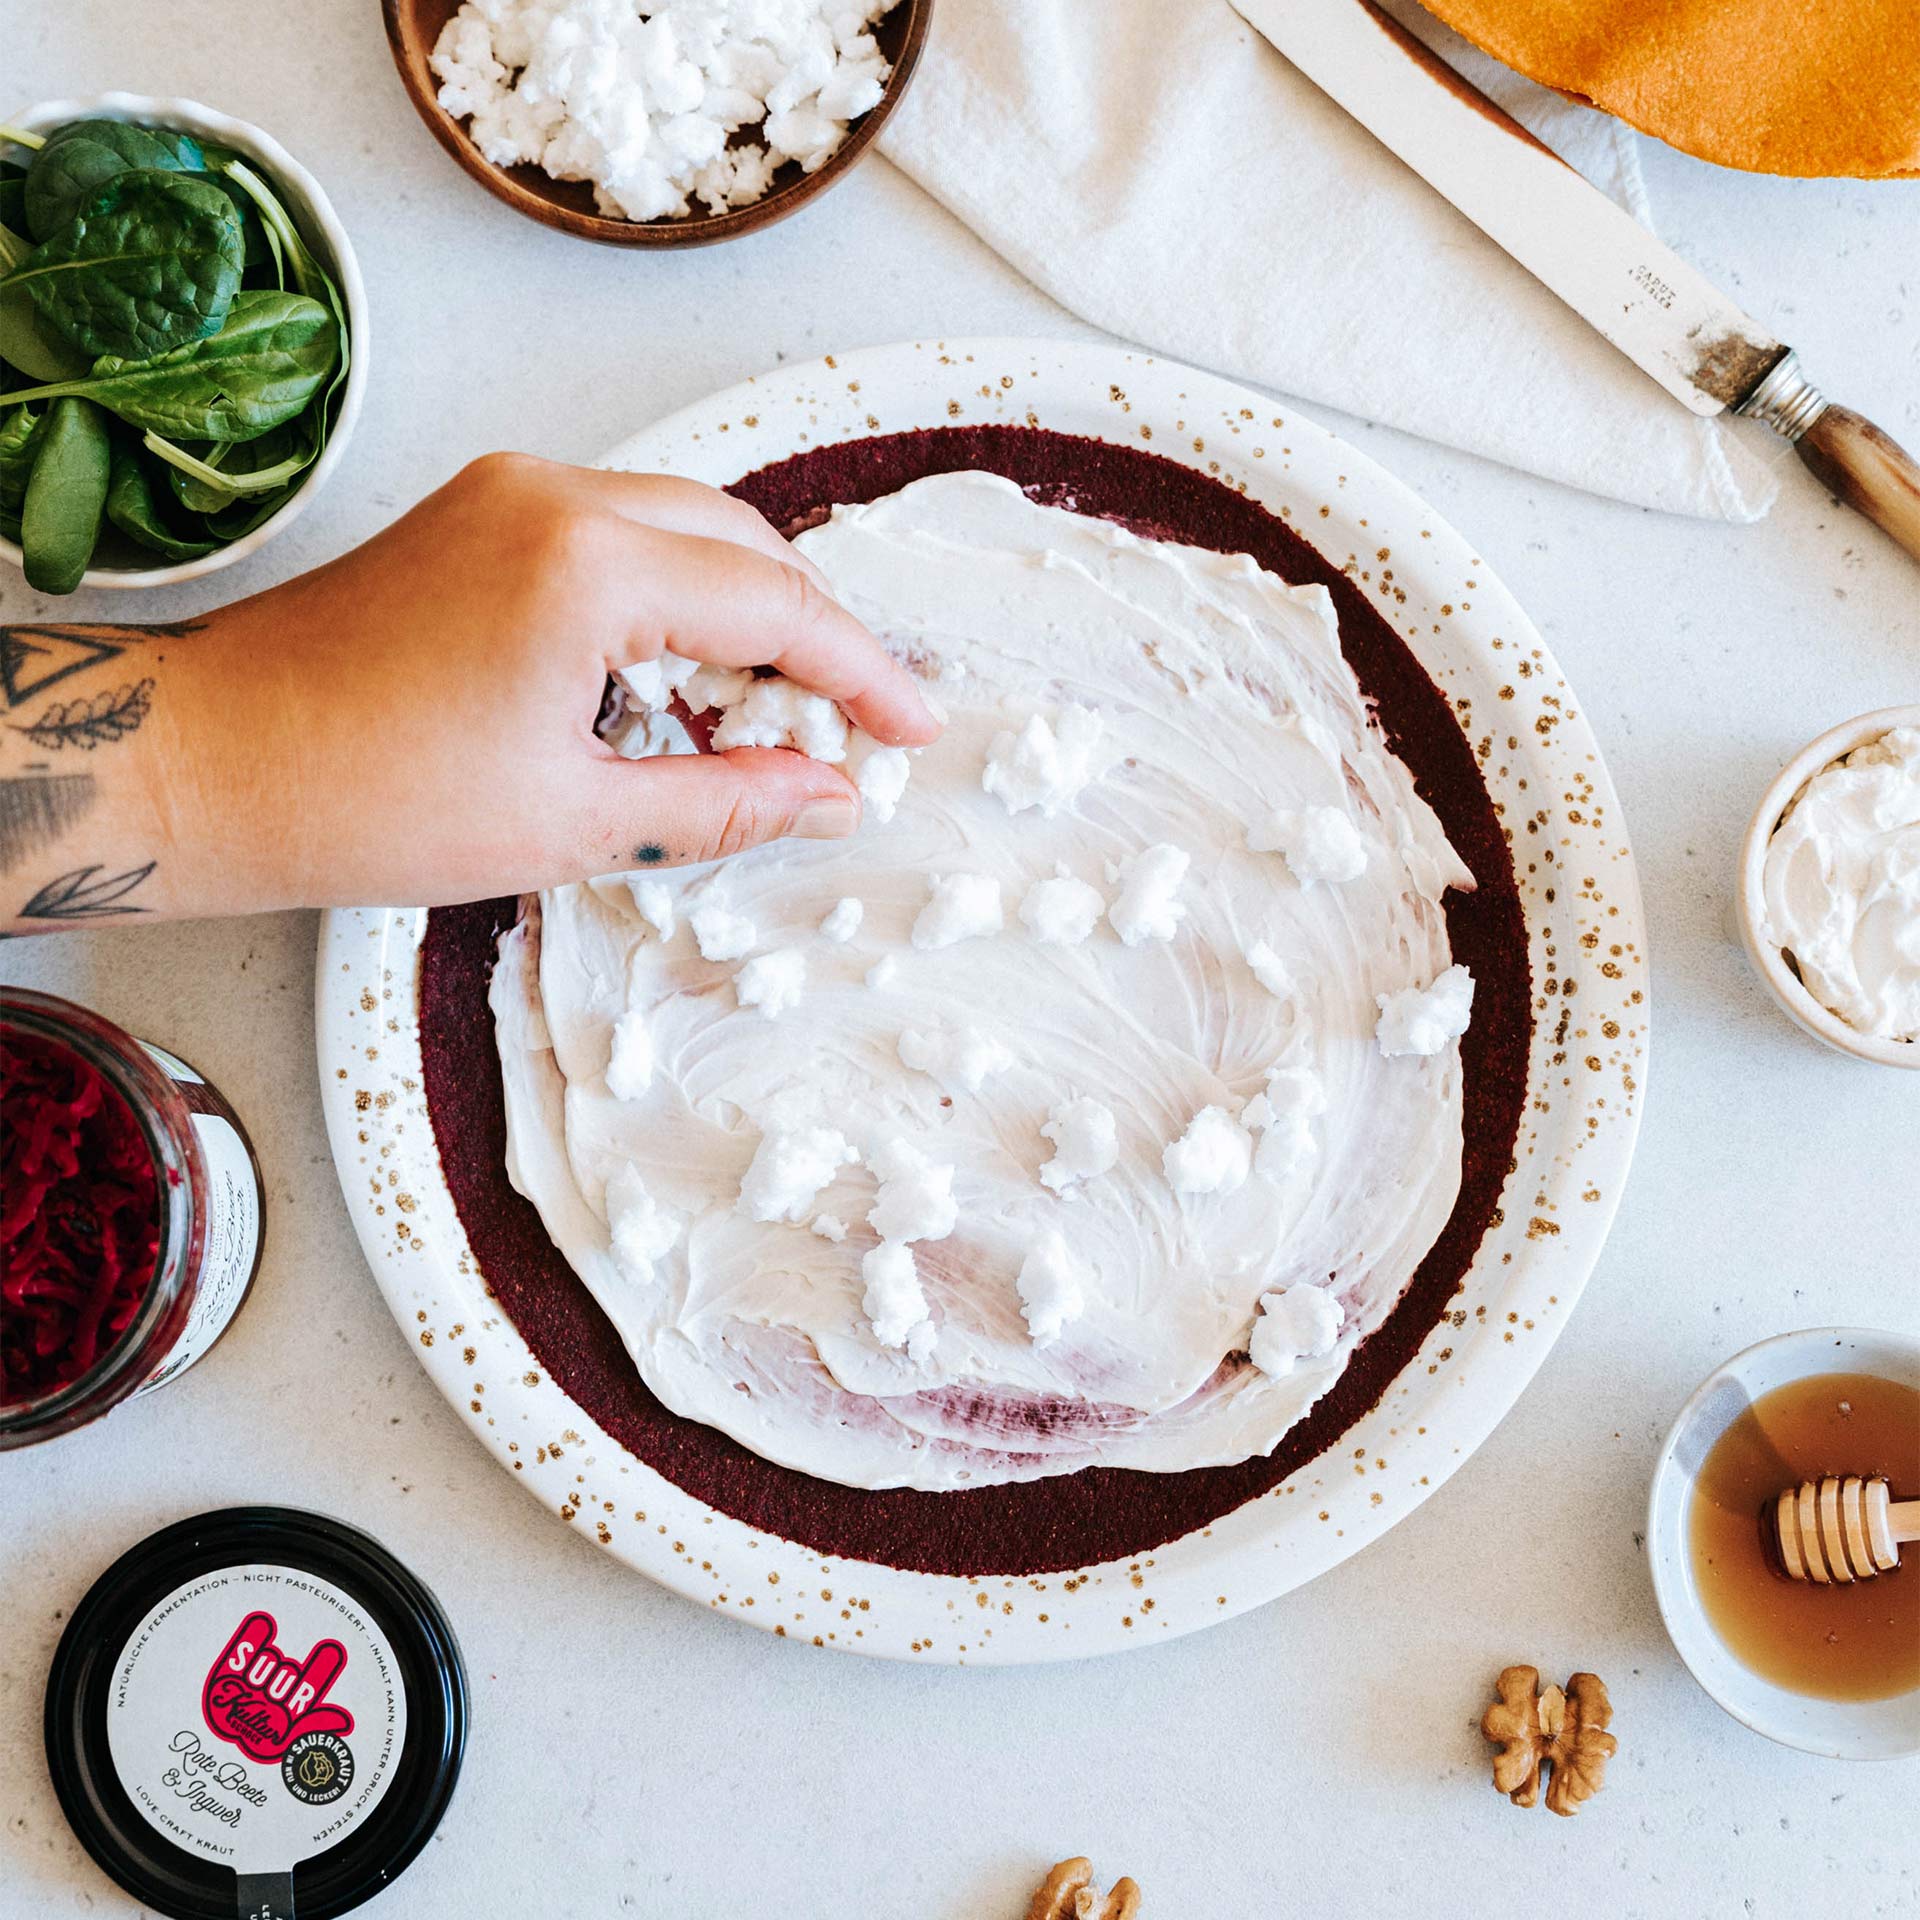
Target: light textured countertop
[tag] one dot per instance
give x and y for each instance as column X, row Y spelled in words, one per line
column 1320, row 1756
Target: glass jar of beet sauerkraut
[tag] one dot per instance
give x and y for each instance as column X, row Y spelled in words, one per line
column 132, row 1215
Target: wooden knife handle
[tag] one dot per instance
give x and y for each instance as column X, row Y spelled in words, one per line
column 1867, row 470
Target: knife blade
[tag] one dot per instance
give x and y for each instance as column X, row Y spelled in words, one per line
column 1664, row 315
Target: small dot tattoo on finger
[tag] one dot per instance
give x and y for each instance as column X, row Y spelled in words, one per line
column 650, row 855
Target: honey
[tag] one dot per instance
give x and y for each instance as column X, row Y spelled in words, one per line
column 1858, row 1642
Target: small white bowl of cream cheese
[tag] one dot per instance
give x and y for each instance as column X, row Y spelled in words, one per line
column 1829, row 887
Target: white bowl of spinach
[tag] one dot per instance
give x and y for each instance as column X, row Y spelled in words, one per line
column 183, row 341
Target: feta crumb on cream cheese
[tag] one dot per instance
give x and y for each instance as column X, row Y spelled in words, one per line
column 1422, row 1020
column 1199, row 1142
column 773, row 982
column 960, row 906
column 1045, row 762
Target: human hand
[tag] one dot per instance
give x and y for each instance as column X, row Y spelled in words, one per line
column 414, row 723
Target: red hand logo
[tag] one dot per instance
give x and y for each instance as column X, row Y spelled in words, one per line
column 263, row 1701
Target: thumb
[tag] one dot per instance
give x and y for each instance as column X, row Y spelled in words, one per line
column 680, row 808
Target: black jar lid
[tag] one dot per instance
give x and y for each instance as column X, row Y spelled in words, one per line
column 257, row 1712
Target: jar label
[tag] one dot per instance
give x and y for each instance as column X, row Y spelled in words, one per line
column 232, row 1240
column 256, row 1717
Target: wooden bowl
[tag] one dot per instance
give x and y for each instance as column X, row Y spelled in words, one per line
column 414, row 25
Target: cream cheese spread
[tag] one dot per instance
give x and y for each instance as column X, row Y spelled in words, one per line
column 1841, row 886
column 970, row 1263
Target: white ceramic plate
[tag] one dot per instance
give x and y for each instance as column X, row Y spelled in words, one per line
column 1586, row 1072
column 1836, row 1729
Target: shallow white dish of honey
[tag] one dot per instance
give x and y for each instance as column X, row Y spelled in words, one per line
column 1797, row 1644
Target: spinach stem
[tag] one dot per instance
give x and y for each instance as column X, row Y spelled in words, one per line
column 264, row 481
column 20, row 137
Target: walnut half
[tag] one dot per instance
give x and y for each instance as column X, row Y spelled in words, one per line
column 1067, row 1894
column 1563, row 1732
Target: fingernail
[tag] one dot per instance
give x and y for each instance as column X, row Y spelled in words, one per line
column 831, row 818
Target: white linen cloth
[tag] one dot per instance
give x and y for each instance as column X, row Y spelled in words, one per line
column 1159, row 169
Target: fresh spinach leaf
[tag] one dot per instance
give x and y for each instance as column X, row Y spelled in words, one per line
column 20, row 429
column 13, row 196
column 10, row 528
column 232, row 468
column 66, row 495
column 148, row 264
column 263, row 367
column 82, row 156
column 133, row 507
column 14, row 247
column 29, row 343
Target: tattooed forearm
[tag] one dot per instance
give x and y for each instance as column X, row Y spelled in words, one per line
column 86, row 894
column 35, row 658
column 87, row 724
column 39, row 808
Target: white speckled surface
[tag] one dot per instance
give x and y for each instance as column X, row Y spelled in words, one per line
column 1317, row 1756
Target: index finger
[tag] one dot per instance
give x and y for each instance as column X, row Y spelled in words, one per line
column 733, row 606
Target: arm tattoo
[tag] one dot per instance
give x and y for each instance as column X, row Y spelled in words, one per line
column 38, row 808
column 81, row 895
column 91, row 723
column 34, row 658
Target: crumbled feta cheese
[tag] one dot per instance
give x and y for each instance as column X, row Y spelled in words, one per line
column 959, row 906
column 720, row 933
column 630, row 1059
column 1046, row 763
column 1283, row 1117
column 1422, row 1020
column 1318, row 843
column 915, row 1197
column 880, row 773
column 829, row 1226
column 893, row 1301
column 1061, row 912
column 711, row 689
column 1214, row 1155
column 653, row 901
column 1299, row 1323
column 651, row 684
column 640, row 1229
column 1270, row 970
column 645, row 102
column 1085, row 1142
column 967, row 1056
column 844, row 921
column 789, row 1168
column 1052, row 1284
column 781, row 713
column 773, row 982
column 1146, row 907
column 880, row 974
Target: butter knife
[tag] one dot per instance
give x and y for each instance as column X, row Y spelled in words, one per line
column 1668, row 319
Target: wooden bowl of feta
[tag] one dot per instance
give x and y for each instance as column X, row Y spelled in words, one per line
column 677, row 130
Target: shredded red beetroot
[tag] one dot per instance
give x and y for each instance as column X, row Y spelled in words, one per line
column 79, row 1216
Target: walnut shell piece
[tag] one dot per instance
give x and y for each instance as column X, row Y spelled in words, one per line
column 1561, row 1732
column 1067, row 1894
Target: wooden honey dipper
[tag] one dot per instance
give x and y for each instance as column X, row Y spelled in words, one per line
column 1839, row 1531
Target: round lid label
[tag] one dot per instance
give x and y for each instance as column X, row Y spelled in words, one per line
column 256, row 1716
